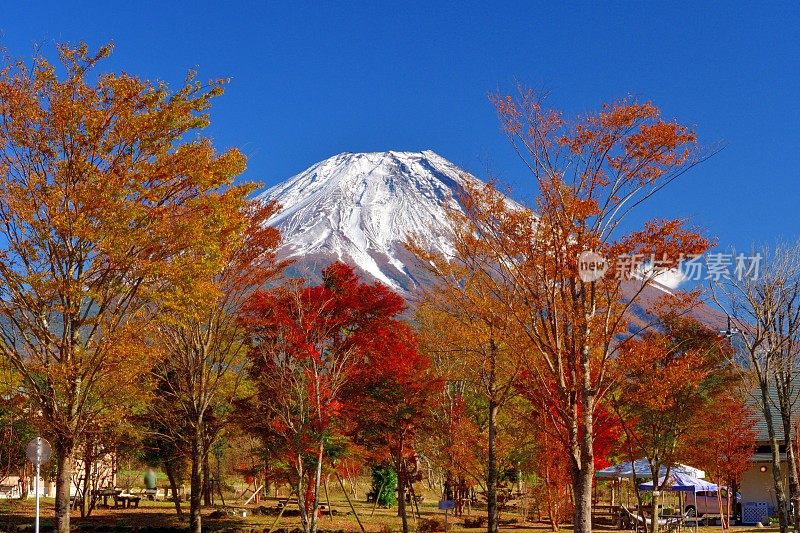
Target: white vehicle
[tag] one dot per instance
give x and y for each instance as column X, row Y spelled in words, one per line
column 707, row 503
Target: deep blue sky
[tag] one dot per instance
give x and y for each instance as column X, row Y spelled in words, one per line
column 313, row 80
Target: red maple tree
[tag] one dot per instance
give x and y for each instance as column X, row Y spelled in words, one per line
column 390, row 402
column 308, row 344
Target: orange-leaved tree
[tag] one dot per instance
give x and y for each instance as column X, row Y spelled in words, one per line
column 109, row 200
column 671, row 378
column 550, row 462
column 590, row 172
column 204, row 345
column 480, row 352
column 723, row 444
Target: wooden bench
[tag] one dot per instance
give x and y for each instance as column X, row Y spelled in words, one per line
column 104, row 493
column 609, row 514
column 150, row 494
column 8, row 490
column 126, row 500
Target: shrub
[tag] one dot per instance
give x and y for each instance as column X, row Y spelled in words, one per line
column 430, row 525
column 383, row 476
column 475, row 522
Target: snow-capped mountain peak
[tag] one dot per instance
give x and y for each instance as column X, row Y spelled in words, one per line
column 362, row 207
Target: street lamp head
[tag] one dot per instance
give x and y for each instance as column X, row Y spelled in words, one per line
column 730, row 331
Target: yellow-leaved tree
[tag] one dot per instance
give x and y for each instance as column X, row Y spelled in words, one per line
column 109, row 200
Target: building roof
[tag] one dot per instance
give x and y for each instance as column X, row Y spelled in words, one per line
column 765, row 457
column 760, row 425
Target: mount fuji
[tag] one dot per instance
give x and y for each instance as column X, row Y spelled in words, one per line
column 361, row 208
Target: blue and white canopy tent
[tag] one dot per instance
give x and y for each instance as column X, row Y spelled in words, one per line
column 682, row 482
column 640, row 469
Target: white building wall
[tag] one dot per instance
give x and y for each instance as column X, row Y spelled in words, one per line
column 758, row 486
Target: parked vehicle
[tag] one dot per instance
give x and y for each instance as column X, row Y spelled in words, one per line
column 707, row 503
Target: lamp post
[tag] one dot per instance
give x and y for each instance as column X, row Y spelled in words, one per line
column 38, row 452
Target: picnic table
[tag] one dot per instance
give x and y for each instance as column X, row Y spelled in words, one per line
column 674, row 521
column 105, row 493
column 636, row 520
column 283, row 502
column 126, row 500
column 705, row 520
column 606, row 513
column 169, row 495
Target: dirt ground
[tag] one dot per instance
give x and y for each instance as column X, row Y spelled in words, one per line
column 16, row 515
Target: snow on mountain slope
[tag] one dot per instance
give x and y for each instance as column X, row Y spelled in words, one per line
column 362, row 207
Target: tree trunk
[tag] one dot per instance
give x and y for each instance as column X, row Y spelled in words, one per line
column 583, row 442
column 777, row 478
column 64, row 452
column 491, row 478
column 401, row 494
column 728, row 504
column 552, row 505
column 786, row 408
column 24, row 492
column 794, row 486
column 721, row 506
column 206, row 482
column 196, row 484
column 169, row 468
column 582, row 487
column 87, row 478
column 654, row 525
column 302, row 495
column 317, row 480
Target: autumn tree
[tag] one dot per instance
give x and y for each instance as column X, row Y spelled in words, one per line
column 457, row 447
column 590, row 173
column 109, row 200
column 389, row 406
column 307, row 344
column 550, row 461
column 466, row 329
column 552, row 485
column 97, row 449
column 763, row 306
column 723, row 444
column 162, row 443
column 204, row 345
column 671, row 377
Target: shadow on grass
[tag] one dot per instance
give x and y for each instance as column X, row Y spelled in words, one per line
column 143, row 521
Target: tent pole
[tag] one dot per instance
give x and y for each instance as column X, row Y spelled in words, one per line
column 613, row 490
